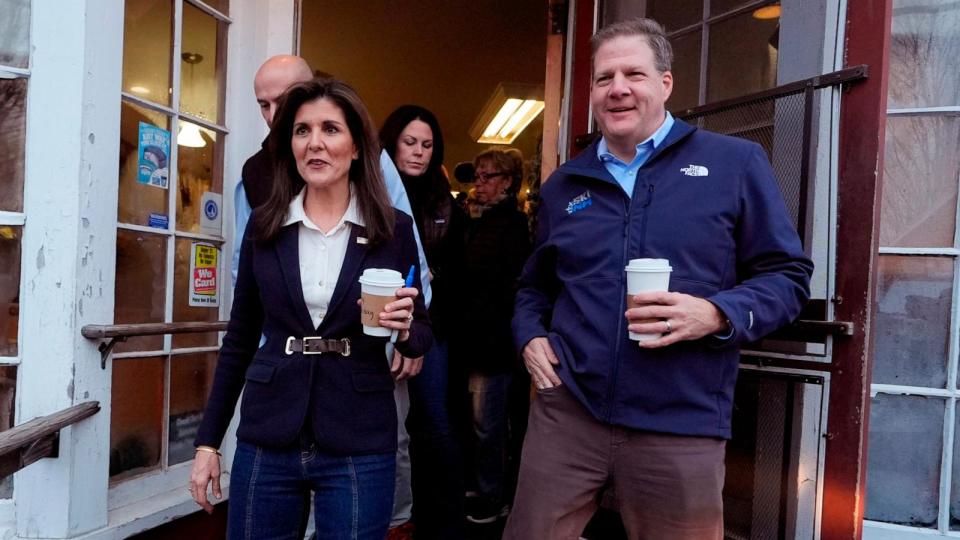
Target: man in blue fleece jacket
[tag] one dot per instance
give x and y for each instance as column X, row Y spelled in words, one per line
column 648, row 420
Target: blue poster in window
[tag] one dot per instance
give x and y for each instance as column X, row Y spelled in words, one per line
column 153, row 153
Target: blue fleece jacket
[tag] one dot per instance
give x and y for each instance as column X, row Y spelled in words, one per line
column 710, row 205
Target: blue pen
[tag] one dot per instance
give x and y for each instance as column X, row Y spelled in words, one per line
column 408, row 282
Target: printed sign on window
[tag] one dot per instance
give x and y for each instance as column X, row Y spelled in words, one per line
column 203, row 275
column 153, row 152
column 210, row 205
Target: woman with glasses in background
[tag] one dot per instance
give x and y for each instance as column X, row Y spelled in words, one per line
column 497, row 247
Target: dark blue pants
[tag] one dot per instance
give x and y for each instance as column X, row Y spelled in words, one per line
column 488, row 396
column 270, row 488
column 435, row 454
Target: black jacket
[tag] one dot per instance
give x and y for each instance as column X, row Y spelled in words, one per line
column 346, row 402
column 442, row 225
column 497, row 247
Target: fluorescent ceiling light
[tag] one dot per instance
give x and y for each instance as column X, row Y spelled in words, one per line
column 137, row 89
column 520, row 119
column 507, row 113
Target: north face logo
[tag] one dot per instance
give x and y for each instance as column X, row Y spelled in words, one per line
column 695, row 170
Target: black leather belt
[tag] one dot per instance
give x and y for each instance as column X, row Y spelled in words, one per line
column 317, row 345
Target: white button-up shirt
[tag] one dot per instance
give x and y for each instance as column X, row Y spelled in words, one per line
column 321, row 253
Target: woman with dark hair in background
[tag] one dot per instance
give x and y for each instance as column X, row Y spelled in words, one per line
column 411, row 136
column 497, row 247
column 318, row 412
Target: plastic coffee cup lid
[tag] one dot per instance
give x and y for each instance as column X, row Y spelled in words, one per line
column 381, row 277
column 649, row 265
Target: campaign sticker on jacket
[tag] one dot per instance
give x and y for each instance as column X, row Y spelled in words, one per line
column 211, row 205
column 153, row 155
column 203, row 275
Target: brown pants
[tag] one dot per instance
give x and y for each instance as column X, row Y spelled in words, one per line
column 667, row 486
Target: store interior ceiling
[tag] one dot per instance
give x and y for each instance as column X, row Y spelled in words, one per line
column 447, row 56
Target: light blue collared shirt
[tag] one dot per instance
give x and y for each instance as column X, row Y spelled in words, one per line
column 626, row 173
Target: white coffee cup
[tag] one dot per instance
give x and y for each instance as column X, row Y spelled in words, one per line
column 378, row 287
column 646, row 275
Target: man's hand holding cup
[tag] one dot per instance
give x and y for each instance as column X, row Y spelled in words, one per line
column 673, row 317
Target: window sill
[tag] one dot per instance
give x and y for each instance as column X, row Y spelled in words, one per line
column 137, row 517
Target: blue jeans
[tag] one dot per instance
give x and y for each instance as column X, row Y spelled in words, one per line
column 437, row 466
column 270, row 488
column 488, row 398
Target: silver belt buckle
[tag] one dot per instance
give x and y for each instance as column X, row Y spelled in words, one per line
column 307, row 340
column 288, row 348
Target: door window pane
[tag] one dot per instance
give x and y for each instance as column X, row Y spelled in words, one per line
column 199, row 176
column 13, row 127
column 955, row 485
column 743, row 57
column 200, row 65
column 921, row 165
column 686, row 72
column 191, row 376
column 147, row 42
column 903, row 465
column 15, row 33
column 719, row 7
column 223, row 6
column 140, row 284
column 136, row 415
column 182, row 310
column 620, row 10
column 675, row 14
column 8, row 395
column 9, row 289
column 141, row 200
column 924, row 46
column 913, row 320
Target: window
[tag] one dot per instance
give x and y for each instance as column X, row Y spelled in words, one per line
column 916, row 486
column 14, row 77
column 722, row 48
column 169, row 230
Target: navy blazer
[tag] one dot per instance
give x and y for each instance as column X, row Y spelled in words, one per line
column 345, row 402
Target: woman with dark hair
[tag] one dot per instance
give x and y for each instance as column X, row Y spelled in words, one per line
column 497, row 247
column 411, row 136
column 318, row 412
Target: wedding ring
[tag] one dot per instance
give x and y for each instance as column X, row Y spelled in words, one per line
column 669, row 328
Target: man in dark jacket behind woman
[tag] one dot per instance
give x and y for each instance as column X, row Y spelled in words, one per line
column 497, row 247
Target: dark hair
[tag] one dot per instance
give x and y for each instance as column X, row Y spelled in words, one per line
column 507, row 160
column 437, row 183
column 373, row 202
column 649, row 29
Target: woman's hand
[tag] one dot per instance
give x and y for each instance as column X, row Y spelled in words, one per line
column 403, row 367
column 398, row 315
column 206, row 468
